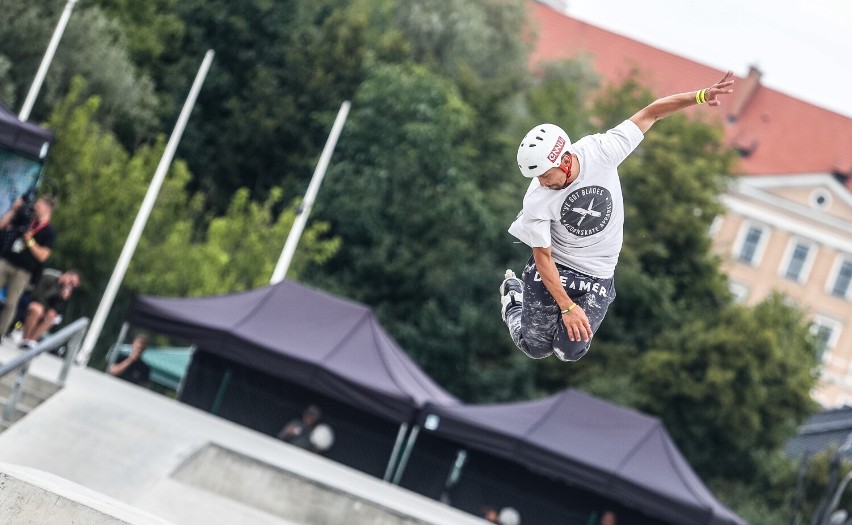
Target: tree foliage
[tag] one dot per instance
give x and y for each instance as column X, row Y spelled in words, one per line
column 182, row 251
column 281, row 71
column 416, row 229
column 94, row 47
column 151, row 29
column 730, row 389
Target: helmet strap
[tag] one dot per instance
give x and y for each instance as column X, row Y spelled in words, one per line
column 566, row 167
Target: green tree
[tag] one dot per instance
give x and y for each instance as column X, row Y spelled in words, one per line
column 182, row 252
column 561, row 92
column 238, row 250
column 477, row 45
column 281, row 71
column 417, row 231
column 151, row 29
column 733, row 387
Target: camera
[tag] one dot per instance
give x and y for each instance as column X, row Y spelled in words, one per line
column 26, row 212
column 20, row 222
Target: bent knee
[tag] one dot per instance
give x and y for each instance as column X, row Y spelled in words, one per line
column 573, row 352
column 535, row 352
column 36, row 308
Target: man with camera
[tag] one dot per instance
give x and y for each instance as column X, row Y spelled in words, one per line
column 34, row 237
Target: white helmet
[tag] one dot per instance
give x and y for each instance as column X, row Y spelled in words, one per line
column 542, row 149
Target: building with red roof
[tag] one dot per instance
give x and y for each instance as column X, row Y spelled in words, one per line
column 775, row 133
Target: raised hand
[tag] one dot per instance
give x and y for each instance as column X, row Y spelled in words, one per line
column 722, row 87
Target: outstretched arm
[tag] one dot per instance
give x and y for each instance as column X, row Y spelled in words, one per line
column 665, row 106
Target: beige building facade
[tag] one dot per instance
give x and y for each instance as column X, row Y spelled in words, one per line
column 793, row 234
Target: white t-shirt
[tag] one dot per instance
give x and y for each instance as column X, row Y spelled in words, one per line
column 584, row 222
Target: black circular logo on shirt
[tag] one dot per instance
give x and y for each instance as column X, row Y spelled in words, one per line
column 587, row 211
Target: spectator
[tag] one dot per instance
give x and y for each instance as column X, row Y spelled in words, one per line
column 132, row 368
column 298, row 431
column 608, row 517
column 490, row 514
column 48, row 301
column 34, row 238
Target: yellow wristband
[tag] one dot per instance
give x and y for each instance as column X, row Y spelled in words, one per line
column 566, row 310
column 30, row 243
column 701, row 96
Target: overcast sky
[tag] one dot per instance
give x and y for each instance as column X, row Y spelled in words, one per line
column 802, row 47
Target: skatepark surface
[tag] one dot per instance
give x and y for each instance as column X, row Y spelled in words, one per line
column 108, row 448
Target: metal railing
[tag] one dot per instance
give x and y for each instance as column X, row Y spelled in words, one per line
column 71, row 334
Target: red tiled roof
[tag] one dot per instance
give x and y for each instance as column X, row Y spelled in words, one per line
column 787, row 135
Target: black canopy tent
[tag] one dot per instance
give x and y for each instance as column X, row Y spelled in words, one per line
column 591, row 444
column 23, row 137
column 330, row 346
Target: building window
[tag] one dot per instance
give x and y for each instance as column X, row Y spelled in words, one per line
column 842, row 279
column 751, row 243
column 821, row 199
column 797, row 261
column 826, row 333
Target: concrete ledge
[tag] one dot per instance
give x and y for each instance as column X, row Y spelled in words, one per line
column 302, row 500
column 32, row 497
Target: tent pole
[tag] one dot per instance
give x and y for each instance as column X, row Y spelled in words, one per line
column 220, row 394
column 142, row 217
column 112, row 355
column 403, row 462
column 454, row 474
column 179, row 390
column 305, row 208
column 400, row 437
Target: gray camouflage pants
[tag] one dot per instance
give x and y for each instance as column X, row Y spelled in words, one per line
column 537, row 327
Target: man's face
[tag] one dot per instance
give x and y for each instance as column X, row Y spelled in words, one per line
column 557, row 178
column 608, row 518
column 67, row 283
column 553, row 179
column 70, row 280
column 139, row 346
column 41, row 207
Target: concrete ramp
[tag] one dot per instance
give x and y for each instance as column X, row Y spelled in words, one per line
column 32, row 497
column 189, row 467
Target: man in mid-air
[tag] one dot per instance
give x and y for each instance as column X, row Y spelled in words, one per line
column 572, row 218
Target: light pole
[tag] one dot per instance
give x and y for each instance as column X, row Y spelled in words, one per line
column 305, row 209
column 142, row 217
column 24, row 115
